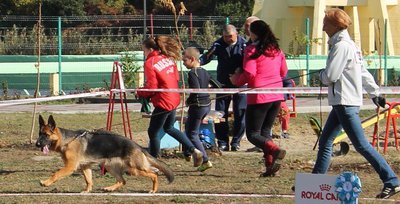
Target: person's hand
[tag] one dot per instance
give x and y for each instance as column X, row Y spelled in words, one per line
column 379, row 101
column 138, row 92
column 238, row 70
column 234, row 78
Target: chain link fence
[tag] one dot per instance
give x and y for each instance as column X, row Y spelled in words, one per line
column 81, row 50
column 91, row 35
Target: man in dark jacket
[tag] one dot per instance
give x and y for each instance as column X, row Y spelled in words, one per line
column 229, row 52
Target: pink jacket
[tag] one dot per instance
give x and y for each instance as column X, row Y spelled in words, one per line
column 263, row 72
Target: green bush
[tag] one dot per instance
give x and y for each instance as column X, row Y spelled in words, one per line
column 81, row 40
column 130, row 68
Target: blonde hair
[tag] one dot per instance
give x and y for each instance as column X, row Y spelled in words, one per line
column 192, row 52
column 166, row 45
column 338, row 17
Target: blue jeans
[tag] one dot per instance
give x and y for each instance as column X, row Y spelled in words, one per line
column 346, row 117
column 196, row 115
column 239, row 126
column 161, row 118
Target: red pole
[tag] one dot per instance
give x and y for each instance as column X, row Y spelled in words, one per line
column 111, row 98
column 151, row 25
column 127, row 116
column 191, row 26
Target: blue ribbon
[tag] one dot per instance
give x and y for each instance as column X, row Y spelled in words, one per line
column 348, row 187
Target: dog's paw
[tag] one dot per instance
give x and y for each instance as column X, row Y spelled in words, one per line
column 45, row 183
column 108, row 189
column 88, row 189
column 152, row 191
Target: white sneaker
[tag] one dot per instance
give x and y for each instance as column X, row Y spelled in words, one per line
column 205, row 166
column 197, row 158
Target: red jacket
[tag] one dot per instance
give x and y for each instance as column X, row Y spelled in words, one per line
column 161, row 73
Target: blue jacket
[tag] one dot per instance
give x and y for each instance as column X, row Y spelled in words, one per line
column 227, row 62
column 287, row 82
column 198, row 78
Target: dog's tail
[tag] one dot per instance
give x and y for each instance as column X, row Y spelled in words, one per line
column 163, row 167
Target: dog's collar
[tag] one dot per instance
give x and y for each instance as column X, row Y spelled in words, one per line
column 81, row 135
column 77, row 136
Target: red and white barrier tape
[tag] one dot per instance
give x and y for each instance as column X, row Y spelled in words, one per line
column 226, row 195
column 51, row 98
column 293, row 90
column 241, row 195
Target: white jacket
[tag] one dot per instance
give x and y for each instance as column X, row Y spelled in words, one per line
column 345, row 73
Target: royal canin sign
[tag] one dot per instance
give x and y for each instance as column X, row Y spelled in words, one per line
column 315, row 189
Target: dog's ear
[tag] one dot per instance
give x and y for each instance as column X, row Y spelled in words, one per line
column 41, row 121
column 51, row 123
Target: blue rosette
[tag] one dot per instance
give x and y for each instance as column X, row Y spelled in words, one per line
column 348, row 187
column 205, row 138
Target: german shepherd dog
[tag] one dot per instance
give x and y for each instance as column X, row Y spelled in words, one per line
column 83, row 149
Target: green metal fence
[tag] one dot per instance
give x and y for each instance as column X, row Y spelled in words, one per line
column 93, row 71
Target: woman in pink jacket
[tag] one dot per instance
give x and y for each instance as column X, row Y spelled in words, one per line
column 264, row 66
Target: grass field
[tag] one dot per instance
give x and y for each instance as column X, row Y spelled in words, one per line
column 22, row 165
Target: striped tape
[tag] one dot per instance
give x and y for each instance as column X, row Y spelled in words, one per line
column 51, row 98
column 226, row 195
column 292, row 90
column 240, row 195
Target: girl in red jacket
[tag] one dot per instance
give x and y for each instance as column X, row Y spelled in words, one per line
column 161, row 72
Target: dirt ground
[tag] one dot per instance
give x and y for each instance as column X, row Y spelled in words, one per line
column 22, row 166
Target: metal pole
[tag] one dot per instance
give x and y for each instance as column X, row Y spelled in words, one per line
column 59, row 54
column 151, row 26
column 191, row 26
column 385, row 52
column 308, row 50
column 144, row 19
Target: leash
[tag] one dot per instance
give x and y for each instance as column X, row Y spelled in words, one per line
column 377, row 123
column 225, row 95
column 320, row 115
column 377, row 128
column 37, row 66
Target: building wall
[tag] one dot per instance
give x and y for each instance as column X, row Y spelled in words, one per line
column 286, row 16
column 282, row 19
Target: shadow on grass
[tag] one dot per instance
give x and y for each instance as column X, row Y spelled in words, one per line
column 5, row 172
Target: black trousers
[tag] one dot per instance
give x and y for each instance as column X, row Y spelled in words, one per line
column 259, row 121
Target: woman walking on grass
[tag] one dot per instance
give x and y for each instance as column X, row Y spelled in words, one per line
column 346, row 76
column 264, row 66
